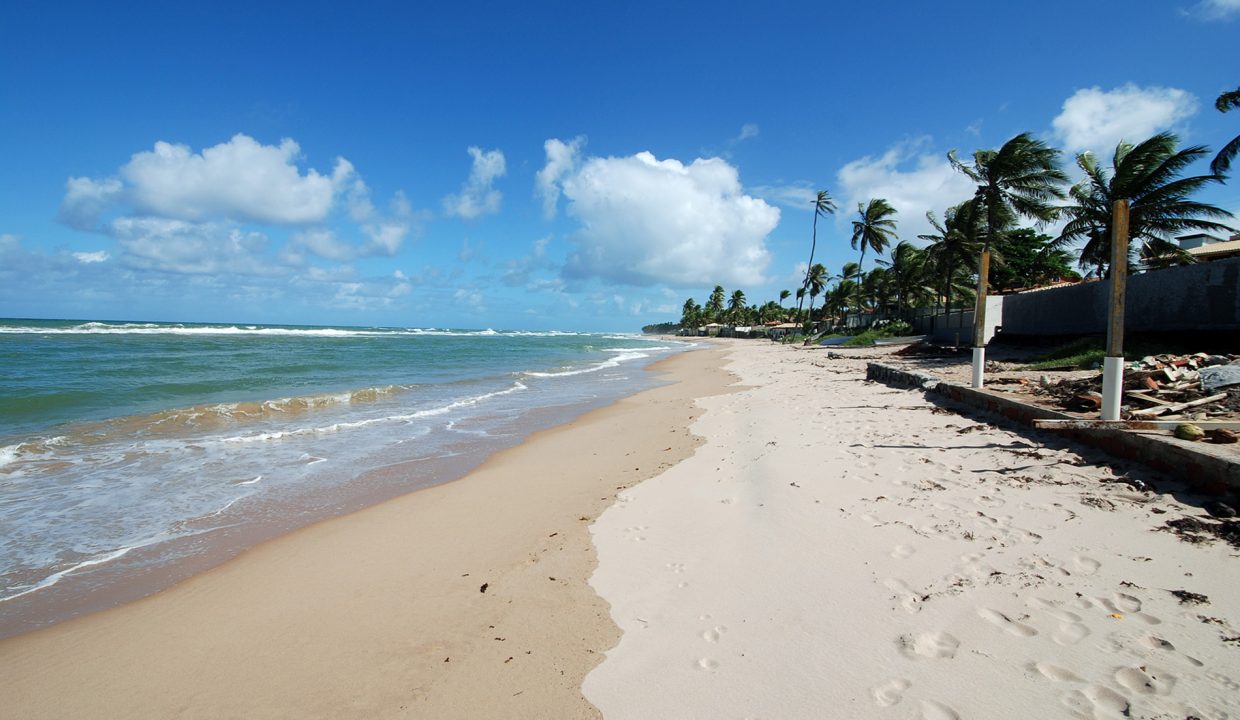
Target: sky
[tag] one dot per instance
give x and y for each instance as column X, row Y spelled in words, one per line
column 546, row 165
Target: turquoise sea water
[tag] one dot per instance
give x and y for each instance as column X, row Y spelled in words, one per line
column 128, row 446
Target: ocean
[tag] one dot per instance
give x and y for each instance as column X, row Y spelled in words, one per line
column 134, row 454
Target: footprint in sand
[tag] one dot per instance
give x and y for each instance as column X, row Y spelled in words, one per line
column 901, row 552
column 934, row 710
column 1003, row 622
column 714, row 634
column 634, row 533
column 1056, row 673
column 1146, row 680
column 677, row 568
column 1085, row 565
column 1098, row 701
column 930, row 645
column 890, row 693
column 909, row 599
column 707, row 664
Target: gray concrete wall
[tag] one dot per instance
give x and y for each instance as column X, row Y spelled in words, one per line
column 1205, row 296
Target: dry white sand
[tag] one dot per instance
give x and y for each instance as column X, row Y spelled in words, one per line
column 839, row 549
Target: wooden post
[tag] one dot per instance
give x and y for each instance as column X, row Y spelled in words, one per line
column 1113, row 363
column 1119, row 278
column 979, row 320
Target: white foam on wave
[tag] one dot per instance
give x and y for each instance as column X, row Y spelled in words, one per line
column 402, row 417
column 56, row 577
column 98, row 328
column 621, row 356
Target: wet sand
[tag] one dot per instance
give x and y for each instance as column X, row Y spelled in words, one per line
column 468, row 599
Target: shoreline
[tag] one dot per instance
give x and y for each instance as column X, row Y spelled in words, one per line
column 138, row 571
column 383, row 612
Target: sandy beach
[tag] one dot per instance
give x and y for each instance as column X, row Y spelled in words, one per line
column 843, row 549
column 466, row 600
column 766, row 536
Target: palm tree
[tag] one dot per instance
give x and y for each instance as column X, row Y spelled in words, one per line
column 817, row 282
column 874, row 229
column 1222, row 162
column 956, row 241
column 736, row 304
column 823, row 205
column 907, row 271
column 714, row 306
column 783, row 295
column 1019, row 179
column 1148, row 177
column 690, row 315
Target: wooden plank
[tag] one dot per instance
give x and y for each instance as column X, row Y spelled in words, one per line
column 1179, row 406
column 1082, row 424
column 979, row 312
column 1140, row 395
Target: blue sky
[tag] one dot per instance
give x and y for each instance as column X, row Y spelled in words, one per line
column 542, row 165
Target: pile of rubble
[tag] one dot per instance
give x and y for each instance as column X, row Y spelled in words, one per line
column 1163, row 387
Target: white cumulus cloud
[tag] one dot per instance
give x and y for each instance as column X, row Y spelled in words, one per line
column 910, row 179
column 191, row 248
column 562, row 158
column 478, row 196
column 1096, row 119
column 241, row 179
column 1216, row 9
column 86, row 200
column 91, row 257
column 645, row 221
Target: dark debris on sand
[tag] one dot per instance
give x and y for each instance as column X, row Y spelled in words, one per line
column 1195, row 530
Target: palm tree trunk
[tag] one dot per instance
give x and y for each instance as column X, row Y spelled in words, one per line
column 812, row 247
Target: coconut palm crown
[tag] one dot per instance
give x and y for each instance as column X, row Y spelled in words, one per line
column 1022, row 178
column 1148, row 177
column 1222, row 162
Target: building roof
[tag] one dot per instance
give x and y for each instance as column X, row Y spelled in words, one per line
column 1228, row 247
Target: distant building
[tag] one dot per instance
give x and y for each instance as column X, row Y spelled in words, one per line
column 1206, row 248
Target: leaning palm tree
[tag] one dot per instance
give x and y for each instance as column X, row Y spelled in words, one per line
column 874, row 229
column 1019, row 179
column 1222, row 162
column 736, row 304
column 823, row 205
column 1148, row 177
column 783, row 295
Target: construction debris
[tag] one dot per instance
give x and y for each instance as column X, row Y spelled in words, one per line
column 1167, row 387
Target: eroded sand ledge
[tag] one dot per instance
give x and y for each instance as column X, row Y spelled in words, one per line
column 379, row 613
column 842, row 549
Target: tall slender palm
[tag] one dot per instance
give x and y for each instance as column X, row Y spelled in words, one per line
column 783, row 295
column 1222, row 162
column 1148, row 177
column 823, row 206
column 736, row 304
column 874, row 229
column 1019, row 179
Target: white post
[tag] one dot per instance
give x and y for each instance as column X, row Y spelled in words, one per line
column 1112, row 386
column 979, row 320
column 979, row 365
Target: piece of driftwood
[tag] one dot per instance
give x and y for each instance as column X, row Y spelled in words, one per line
column 1081, row 424
column 1177, row 407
